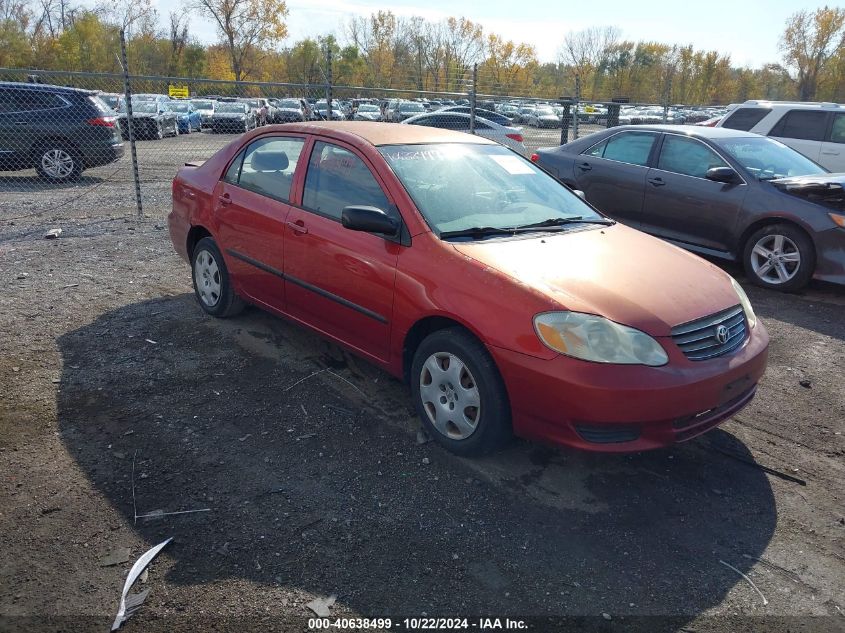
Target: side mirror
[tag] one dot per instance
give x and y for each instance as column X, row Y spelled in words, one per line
column 369, row 220
column 579, row 193
column 722, row 174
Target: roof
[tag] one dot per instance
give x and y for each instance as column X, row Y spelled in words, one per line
column 701, row 131
column 385, row 133
column 43, row 87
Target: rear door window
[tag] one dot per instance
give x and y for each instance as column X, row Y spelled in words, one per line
column 633, row 148
column 745, row 118
column 807, row 125
column 837, row 129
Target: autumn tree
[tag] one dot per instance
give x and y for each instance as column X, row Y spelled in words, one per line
column 247, row 28
column 808, row 44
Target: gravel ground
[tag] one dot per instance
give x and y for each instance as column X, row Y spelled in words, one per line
column 308, row 462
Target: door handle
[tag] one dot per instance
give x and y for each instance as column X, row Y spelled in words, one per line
column 831, row 153
column 585, row 167
column 298, row 227
column 225, row 199
column 657, row 182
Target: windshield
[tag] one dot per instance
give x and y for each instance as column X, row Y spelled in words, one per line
column 767, row 159
column 231, row 107
column 203, row 105
column 462, row 186
column 181, row 107
column 368, row 108
column 289, row 103
column 411, row 107
column 545, row 112
column 145, row 106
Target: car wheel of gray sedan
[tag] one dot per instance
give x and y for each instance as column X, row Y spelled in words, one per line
column 212, row 285
column 459, row 394
column 159, row 131
column 780, row 257
column 58, row 163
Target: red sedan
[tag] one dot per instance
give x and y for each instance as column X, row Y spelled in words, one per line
column 509, row 304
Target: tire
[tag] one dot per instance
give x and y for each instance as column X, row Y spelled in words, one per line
column 176, row 128
column 57, row 162
column 479, row 429
column 792, row 252
column 159, row 133
column 212, row 285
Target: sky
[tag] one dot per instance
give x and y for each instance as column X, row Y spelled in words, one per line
column 747, row 29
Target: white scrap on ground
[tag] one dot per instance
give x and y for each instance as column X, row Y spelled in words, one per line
column 130, row 603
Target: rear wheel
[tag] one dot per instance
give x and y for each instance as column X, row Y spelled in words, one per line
column 58, row 163
column 159, row 132
column 780, row 257
column 459, row 394
column 212, row 284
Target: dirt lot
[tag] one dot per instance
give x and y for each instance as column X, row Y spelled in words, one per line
column 315, row 482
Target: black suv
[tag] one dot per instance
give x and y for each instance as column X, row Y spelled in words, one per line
column 57, row 131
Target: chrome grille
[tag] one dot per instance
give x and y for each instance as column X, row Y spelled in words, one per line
column 697, row 339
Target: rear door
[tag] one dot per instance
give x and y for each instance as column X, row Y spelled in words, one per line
column 612, row 174
column 681, row 204
column 803, row 130
column 832, row 155
column 252, row 207
column 340, row 281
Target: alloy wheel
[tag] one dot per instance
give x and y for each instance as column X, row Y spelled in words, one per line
column 775, row 259
column 57, row 163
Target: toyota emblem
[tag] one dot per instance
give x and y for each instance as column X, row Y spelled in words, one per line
column 722, row 334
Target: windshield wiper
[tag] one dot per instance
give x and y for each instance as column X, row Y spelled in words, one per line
column 551, row 222
column 476, row 231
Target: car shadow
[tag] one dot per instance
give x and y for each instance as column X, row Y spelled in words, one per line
column 308, row 462
column 27, row 182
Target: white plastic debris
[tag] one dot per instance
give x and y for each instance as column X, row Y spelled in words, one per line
column 320, row 606
column 130, row 603
column 52, row 234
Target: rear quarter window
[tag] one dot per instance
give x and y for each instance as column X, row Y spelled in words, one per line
column 745, row 118
column 807, row 125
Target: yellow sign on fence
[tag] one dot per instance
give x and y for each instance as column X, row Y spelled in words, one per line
column 177, row 92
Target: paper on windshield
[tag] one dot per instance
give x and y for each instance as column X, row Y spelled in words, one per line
column 513, row 164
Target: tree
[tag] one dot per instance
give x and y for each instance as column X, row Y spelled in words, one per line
column 247, row 28
column 808, row 44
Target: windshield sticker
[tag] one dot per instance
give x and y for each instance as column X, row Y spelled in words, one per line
column 513, row 165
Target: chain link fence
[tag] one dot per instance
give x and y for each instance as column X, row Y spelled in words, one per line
column 113, row 147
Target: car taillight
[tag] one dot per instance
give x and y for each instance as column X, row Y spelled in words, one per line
column 517, row 137
column 535, row 158
column 102, row 121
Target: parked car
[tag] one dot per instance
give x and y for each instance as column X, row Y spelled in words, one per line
column 187, row 117
column 259, row 109
column 543, row 117
column 113, row 100
column 501, row 119
column 405, row 110
column 523, row 113
column 509, row 304
column 151, row 119
column 58, row 131
column 205, row 107
column 817, row 130
column 458, row 121
column 368, row 112
column 233, row 116
column 321, row 108
column 149, row 96
column 508, row 110
column 291, row 111
column 720, row 192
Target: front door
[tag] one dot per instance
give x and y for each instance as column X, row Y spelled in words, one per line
column 340, row 281
column 681, row 204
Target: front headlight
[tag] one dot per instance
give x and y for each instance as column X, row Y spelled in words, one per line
column 745, row 303
column 594, row 338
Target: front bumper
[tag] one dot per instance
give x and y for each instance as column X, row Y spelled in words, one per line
column 625, row 408
column 830, row 255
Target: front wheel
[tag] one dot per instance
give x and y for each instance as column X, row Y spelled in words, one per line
column 459, row 394
column 779, row 257
column 212, row 284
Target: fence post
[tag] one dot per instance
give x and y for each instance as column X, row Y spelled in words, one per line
column 666, row 97
column 127, row 94
column 472, row 98
column 575, row 107
column 329, row 82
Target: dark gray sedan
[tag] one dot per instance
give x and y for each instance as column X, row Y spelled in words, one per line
column 719, row 192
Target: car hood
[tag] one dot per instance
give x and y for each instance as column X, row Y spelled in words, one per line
column 229, row 115
column 140, row 115
column 824, row 189
column 614, row 271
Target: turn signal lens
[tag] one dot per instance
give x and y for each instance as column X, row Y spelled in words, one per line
column 839, row 220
